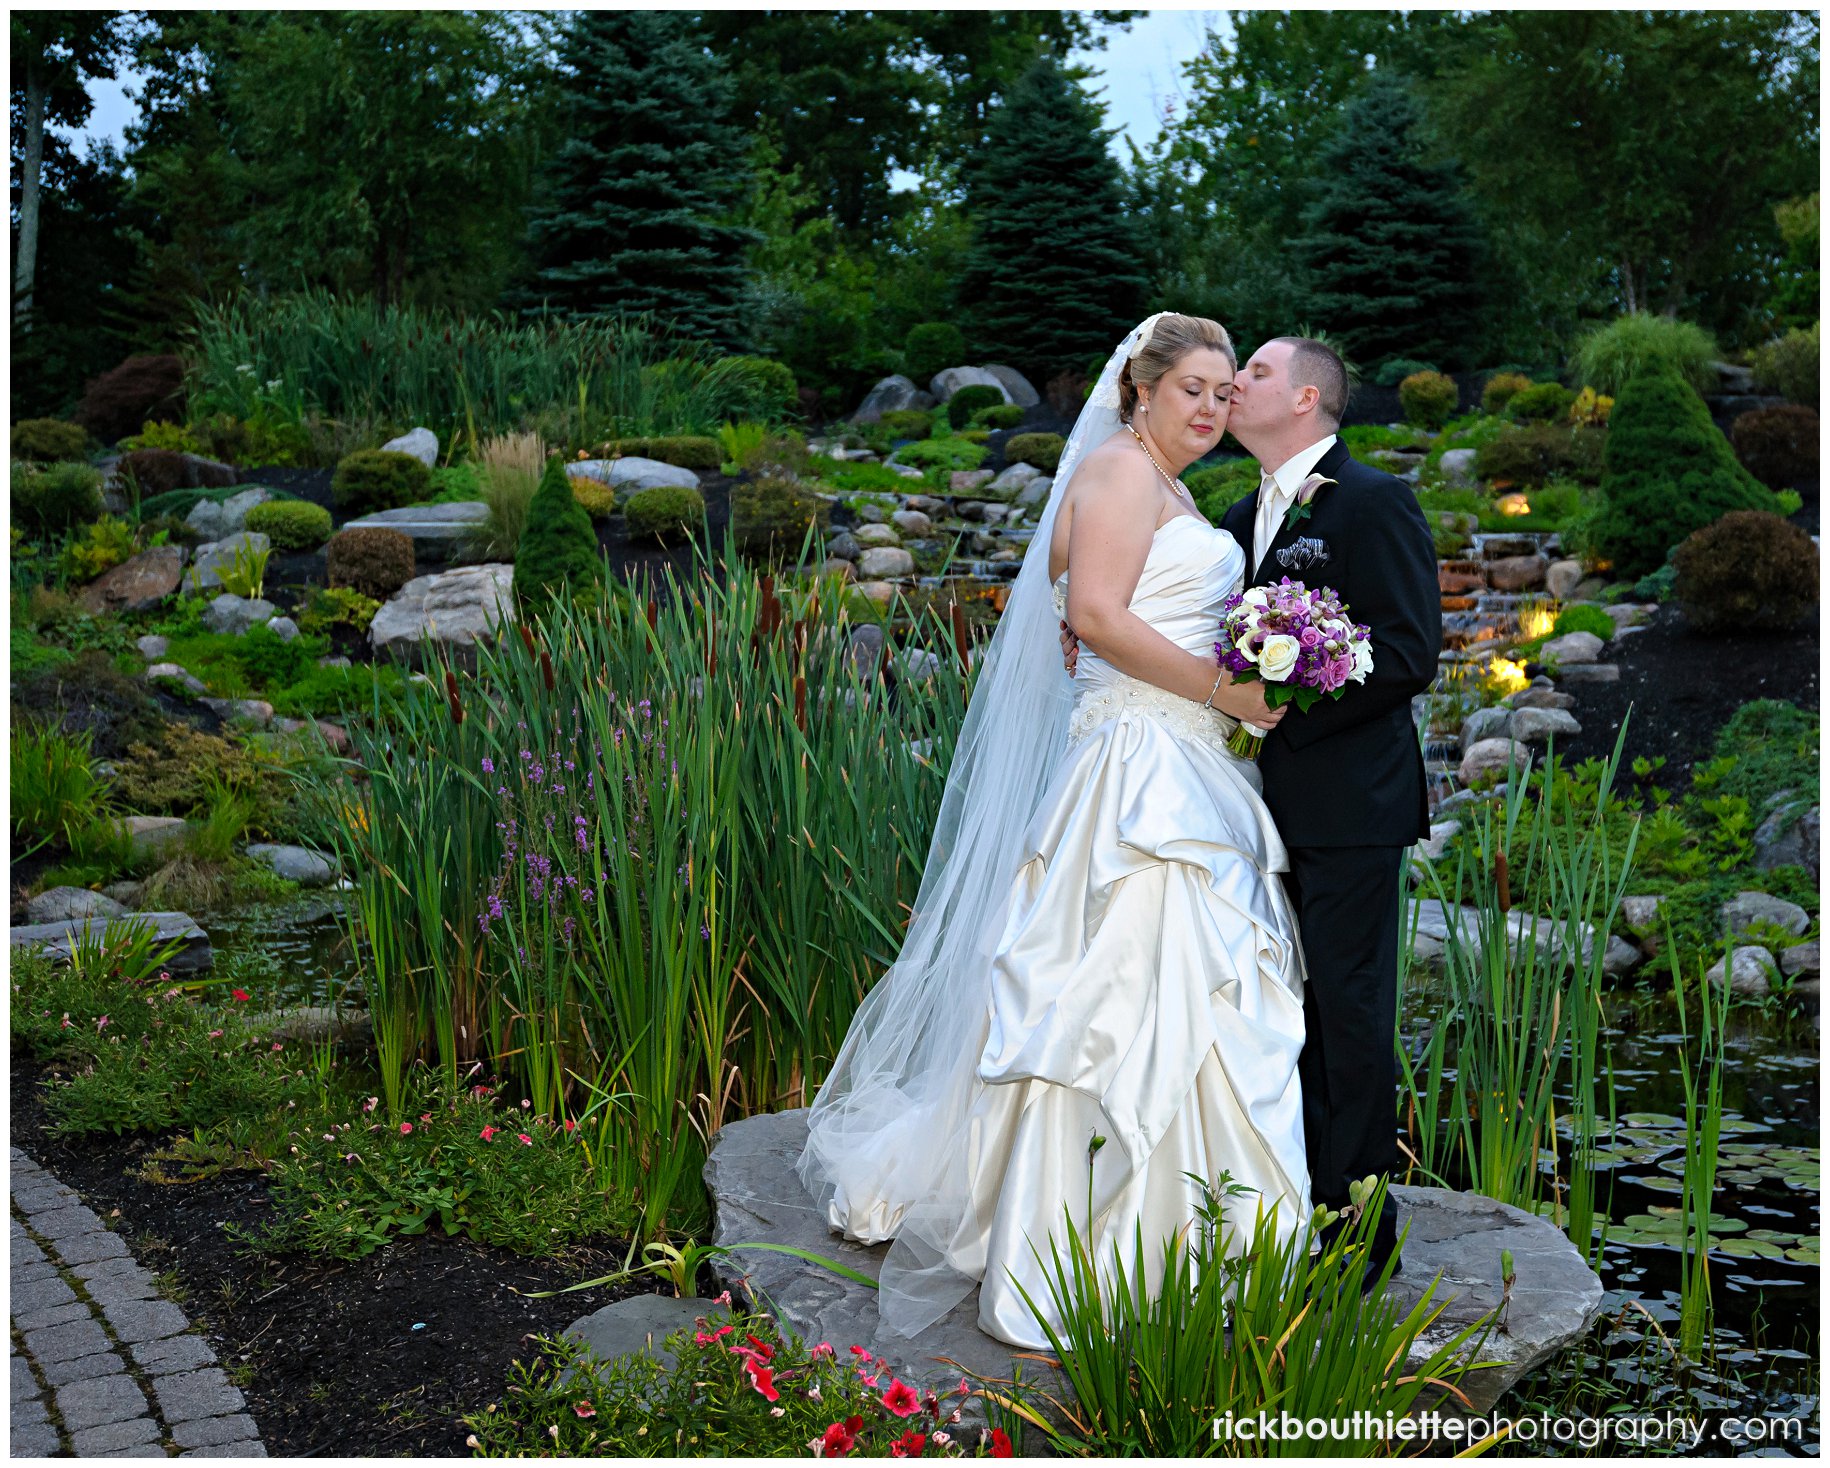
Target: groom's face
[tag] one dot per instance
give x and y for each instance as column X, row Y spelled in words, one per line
column 1263, row 396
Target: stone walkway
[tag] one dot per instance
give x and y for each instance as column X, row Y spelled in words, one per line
column 101, row 1366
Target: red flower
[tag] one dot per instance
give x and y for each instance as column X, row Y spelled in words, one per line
column 762, row 1378
column 240, row 996
column 406, row 1127
column 524, row 1139
column 1000, row 1444
column 901, row 1398
column 860, row 1351
column 585, row 1409
column 487, row 1134
column 764, row 1351
column 703, row 1338
column 840, row 1437
column 571, row 1126
column 909, row 1445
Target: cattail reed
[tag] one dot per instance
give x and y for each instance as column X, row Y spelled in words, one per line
column 546, row 669
column 800, row 703
column 1502, row 881
column 451, row 694
column 962, row 643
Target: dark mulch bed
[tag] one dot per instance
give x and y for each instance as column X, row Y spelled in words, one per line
column 1682, row 688
column 338, row 1368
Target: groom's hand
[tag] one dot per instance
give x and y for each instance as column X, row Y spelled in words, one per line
column 1070, row 649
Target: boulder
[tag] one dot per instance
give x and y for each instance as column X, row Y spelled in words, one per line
column 968, row 481
column 1489, row 756
column 1536, row 725
column 869, row 535
column 1548, row 938
column 1016, row 386
column 440, row 533
column 928, row 504
column 1487, row 723
column 1516, row 573
column 1036, row 492
column 1562, row 577
column 1543, row 698
column 315, row 1024
column 1640, row 913
column 452, row 608
column 1629, row 614
column 65, row 904
column 138, row 584
column 1441, row 834
column 152, row 647
column 256, row 712
column 1015, row 478
column 912, row 522
column 421, row 443
column 1572, row 647
column 870, row 513
column 882, row 561
column 844, row 545
column 295, row 864
column 880, row 593
column 917, row 663
column 1458, row 469
column 1459, row 583
column 56, row 941
column 189, row 682
column 284, row 628
column 891, row 395
column 1788, row 838
column 219, row 555
column 641, row 1325
column 1745, row 909
column 838, row 566
column 1799, row 961
column 950, row 380
column 153, row 833
column 633, row 473
column 1589, row 672
column 231, row 616
column 214, row 521
column 1746, row 971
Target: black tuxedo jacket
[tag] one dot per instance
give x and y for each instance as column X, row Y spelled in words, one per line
column 1350, row 772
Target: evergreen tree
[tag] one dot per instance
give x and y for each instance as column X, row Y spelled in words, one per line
column 632, row 216
column 558, row 548
column 1054, row 274
column 1390, row 245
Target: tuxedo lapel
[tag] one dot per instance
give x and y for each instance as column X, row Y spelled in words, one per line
column 1269, row 569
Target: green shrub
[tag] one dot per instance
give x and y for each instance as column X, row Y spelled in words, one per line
column 598, row 498
column 327, row 692
column 1611, row 356
column 176, row 773
column 1428, row 398
column 1366, row 438
column 945, row 455
column 999, row 415
column 292, row 525
column 771, row 516
column 558, row 549
column 1500, row 390
column 1394, row 371
column 1533, row 453
column 1584, row 619
column 931, row 348
column 1788, row 366
column 1749, row 571
column 55, row 497
column 969, row 400
column 103, row 546
column 857, row 477
column 702, row 455
column 906, row 423
column 333, row 606
column 268, row 660
column 56, row 789
column 1218, row 487
column 174, row 437
column 46, row 440
column 90, row 695
column 373, row 560
column 456, row 484
column 264, row 439
column 760, row 387
column 1542, row 402
column 379, row 479
column 666, row 513
column 1668, row 471
column 1042, row 450
column 1778, row 445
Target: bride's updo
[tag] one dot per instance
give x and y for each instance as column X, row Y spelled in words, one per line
column 1174, row 338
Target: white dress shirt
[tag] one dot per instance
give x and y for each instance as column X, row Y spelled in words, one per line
column 1277, row 491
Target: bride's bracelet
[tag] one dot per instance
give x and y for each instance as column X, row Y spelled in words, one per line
column 1208, row 702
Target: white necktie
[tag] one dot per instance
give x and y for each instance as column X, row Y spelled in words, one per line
column 1270, row 513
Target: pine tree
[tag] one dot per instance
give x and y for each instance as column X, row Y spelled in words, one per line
column 631, row 218
column 1390, row 246
column 558, row 547
column 1054, row 274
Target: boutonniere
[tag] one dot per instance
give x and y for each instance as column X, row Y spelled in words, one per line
column 1300, row 509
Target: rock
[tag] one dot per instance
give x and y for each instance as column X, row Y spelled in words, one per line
column 868, row 536
column 640, row 1325
column 1788, row 838
column 231, row 616
column 917, row 663
column 338, row 662
column 153, row 647
column 912, row 522
column 1543, row 698
column 138, row 584
column 187, row 681
column 1441, row 834
column 421, row 443
column 968, row 481
column 844, row 545
column 1016, row 386
column 1491, row 756
column 970, row 509
column 891, row 395
column 1745, row 909
column 334, row 735
column 65, row 904
column 452, row 608
column 1745, row 971
column 255, row 711
column 864, row 652
column 1562, row 577
column 1620, row 957
column 284, row 628
column 1454, row 1240
column 907, row 471
column 1516, row 573
column 1629, row 614
column 1536, row 725
column 881, row 561
column 838, row 566
column 950, row 380
column 57, row 940
column 882, row 593
column 125, row 893
column 1458, row 468
column 1800, row 961
column 631, row 474
column 926, row 503
column 440, row 533
column 1459, row 583
column 1572, row 647
column 1641, row 913
column 871, row 514
column 1589, row 672
column 153, row 833
column 1014, row 478
column 320, row 1023
column 1487, row 723
column 216, row 557
column 1733, row 379
column 295, row 864
column 1036, row 492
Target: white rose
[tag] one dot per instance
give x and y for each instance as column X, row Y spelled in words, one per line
column 1362, row 661
column 1278, row 657
column 1258, row 596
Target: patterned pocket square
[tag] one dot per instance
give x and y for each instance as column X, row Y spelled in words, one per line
column 1307, row 552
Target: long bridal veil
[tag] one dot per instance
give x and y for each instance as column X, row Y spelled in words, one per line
column 886, row 1133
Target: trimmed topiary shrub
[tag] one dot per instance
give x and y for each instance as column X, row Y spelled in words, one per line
column 1393, row 372
column 1428, row 399
column 667, row 513
column 122, row 399
column 771, row 515
column 1749, row 571
column 379, row 479
column 1501, row 389
column 558, row 550
column 55, row 497
column 906, row 423
column 48, row 440
column 160, row 471
column 1542, row 402
column 1779, row 446
column 968, row 400
column 1533, row 453
column 1668, row 471
column 702, row 455
column 1000, row 415
column 292, row 525
column 372, row 560
column 1788, row 366
column 930, row 348
column 598, row 498
column 1043, row 450
column 1611, row 356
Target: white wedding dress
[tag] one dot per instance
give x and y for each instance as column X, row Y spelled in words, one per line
column 1146, row 988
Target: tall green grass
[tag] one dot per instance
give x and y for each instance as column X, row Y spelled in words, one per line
column 1701, row 1064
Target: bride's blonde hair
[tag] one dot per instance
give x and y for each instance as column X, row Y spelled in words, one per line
column 1174, row 338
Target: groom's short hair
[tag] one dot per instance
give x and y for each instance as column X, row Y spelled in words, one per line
column 1317, row 365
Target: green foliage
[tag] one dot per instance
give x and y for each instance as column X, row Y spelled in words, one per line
column 173, row 437
column 1043, row 450
column 379, row 479
column 1365, row 438
column 456, row 484
column 271, row 436
column 999, row 415
column 329, row 692
column 1767, row 749
column 1395, row 369
column 930, row 348
column 1749, row 571
column 947, row 455
column 159, row 471
column 1531, row 454
column 140, row 388
column 860, row 478
column 1668, row 471
column 55, row 497
column 667, row 513
column 700, row 454
column 1500, row 389
column 1778, row 445
column 56, row 791
column 760, row 387
column 1788, row 365
column 906, row 423
column 968, row 401
column 47, row 440
column 176, row 773
column 1052, row 275
column 246, row 573
column 558, row 548
column 375, row 561
column 771, row 516
column 1542, row 402
column 1584, row 619
column 292, row 525
column 1611, row 356
column 1218, row 487
column 103, row 545
column 599, row 499
column 1428, row 398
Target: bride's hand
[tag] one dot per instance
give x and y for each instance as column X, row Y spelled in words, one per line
column 1070, row 649
column 1245, row 702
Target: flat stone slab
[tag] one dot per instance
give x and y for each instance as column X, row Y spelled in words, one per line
column 1454, row 1237
column 57, row 940
column 439, row 532
column 640, row 1324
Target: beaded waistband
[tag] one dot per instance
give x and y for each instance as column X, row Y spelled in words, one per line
column 1119, row 694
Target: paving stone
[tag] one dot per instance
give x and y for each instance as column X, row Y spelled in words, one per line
column 179, row 1353
column 114, row 1438
column 57, row 1343
column 91, row 1248
column 29, row 1409
column 145, row 1320
column 43, row 1269
column 113, row 1399
column 118, row 1289
column 81, row 1368
column 228, row 1450
column 40, row 1294
column 33, row 1440
column 55, row 1315
column 147, row 1450
column 194, row 1394
column 24, row 1383
column 68, row 1222
column 25, row 1252
column 43, row 1196
column 115, row 1266
column 207, row 1432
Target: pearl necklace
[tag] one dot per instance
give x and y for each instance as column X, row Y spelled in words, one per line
column 1175, row 485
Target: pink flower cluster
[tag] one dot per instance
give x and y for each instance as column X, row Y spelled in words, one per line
column 1291, row 636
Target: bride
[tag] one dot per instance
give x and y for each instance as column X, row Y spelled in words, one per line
column 1100, row 948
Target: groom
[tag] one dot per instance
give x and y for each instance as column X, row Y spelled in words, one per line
column 1344, row 781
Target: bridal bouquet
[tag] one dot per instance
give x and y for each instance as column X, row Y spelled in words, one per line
column 1299, row 643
